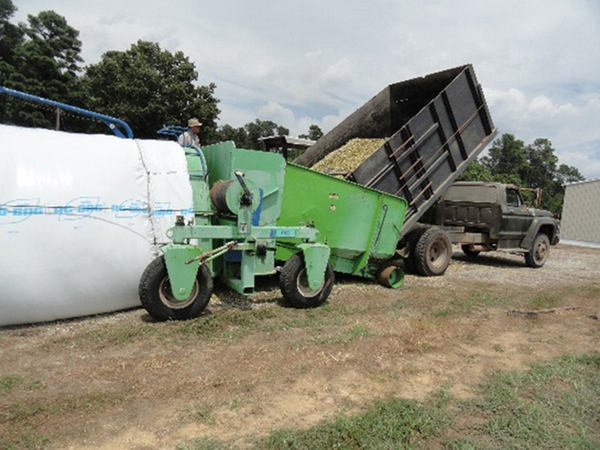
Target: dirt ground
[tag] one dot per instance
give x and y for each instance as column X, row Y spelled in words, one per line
column 153, row 389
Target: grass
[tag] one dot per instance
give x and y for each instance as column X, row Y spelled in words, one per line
column 551, row 406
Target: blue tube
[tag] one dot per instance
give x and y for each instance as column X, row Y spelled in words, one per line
column 112, row 122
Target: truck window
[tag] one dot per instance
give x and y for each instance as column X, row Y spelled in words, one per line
column 513, row 198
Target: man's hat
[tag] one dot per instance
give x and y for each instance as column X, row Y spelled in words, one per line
column 194, row 123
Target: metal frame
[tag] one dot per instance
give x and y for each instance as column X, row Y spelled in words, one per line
column 117, row 126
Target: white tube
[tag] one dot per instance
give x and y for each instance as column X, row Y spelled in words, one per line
column 81, row 216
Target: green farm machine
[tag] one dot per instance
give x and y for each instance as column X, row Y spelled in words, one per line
column 255, row 214
column 236, row 233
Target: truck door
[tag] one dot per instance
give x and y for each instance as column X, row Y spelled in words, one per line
column 516, row 219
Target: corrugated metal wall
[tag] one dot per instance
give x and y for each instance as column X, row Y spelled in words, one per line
column 581, row 212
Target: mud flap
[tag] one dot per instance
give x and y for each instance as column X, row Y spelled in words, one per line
column 316, row 257
column 181, row 275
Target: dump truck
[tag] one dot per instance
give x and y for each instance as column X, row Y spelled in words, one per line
column 484, row 217
column 431, row 129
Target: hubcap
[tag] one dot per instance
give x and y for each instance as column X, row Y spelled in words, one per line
column 166, row 295
column 303, row 287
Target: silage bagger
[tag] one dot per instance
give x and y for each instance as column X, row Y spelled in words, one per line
column 237, row 198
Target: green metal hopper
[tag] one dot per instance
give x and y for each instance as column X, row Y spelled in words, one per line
column 359, row 224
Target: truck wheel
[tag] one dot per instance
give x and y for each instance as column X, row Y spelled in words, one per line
column 468, row 250
column 411, row 242
column 294, row 284
column 433, row 252
column 157, row 298
column 540, row 250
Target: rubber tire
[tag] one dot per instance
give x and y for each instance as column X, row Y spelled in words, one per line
column 291, row 283
column 466, row 248
column 154, row 290
column 411, row 242
column 433, row 252
column 537, row 256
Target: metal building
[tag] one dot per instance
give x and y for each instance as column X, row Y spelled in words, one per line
column 581, row 213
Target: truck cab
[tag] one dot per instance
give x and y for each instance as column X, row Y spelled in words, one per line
column 482, row 216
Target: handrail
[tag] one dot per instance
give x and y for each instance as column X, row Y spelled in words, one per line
column 112, row 122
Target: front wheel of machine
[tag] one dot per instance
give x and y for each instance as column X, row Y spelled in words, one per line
column 157, row 298
column 294, row 284
column 433, row 252
column 537, row 256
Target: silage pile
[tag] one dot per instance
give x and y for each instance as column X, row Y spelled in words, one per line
column 347, row 158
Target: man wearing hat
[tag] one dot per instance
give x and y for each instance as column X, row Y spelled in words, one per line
column 190, row 138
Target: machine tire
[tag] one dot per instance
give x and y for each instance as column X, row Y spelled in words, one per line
column 537, row 256
column 295, row 289
column 157, row 298
column 433, row 252
column 466, row 248
column 411, row 242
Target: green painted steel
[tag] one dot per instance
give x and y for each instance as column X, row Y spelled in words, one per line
column 315, row 258
column 360, row 225
column 236, row 238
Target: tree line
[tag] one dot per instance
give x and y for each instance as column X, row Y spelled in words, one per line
column 145, row 86
column 149, row 87
column 510, row 160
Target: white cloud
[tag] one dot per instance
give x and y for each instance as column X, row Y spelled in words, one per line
column 316, row 61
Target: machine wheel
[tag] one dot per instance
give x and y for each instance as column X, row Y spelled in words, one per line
column 157, row 298
column 467, row 250
column 540, row 250
column 294, row 284
column 433, row 252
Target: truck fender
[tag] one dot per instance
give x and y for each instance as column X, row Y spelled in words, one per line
column 534, row 229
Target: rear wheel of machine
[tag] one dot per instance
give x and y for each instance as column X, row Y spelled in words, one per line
column 157, row 298
column 433, row 252
column 538, row 254
column 294, row 284
column 468, row 250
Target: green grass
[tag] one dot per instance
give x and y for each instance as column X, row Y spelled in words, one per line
column 9, row 382
column 551, row 406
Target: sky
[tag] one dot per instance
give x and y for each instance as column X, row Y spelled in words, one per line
column 317, row 61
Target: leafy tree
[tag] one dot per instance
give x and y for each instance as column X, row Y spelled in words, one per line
column 506, row 159
column 148, row 87
column 11, row 36
column 314, row 133
column 44, row 62
column 534, row 165
column 249, row 136
column 476, row 171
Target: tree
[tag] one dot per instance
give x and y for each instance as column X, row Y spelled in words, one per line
column 11, row 37
column 476, row 171
column 314, row 133
column 249, row 136
column 506, row 159
column 148, row 87
column 263, row 128
column 534, row 165
column 44, row 62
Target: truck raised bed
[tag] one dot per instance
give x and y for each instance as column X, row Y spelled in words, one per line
column 433, row 127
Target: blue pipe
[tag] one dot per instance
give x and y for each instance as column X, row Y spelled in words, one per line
column 111, row 122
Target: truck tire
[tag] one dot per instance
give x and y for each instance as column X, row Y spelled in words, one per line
column 537, row 256
column 468, row 250
column 294, row 285
column 433, row 252
column 157, row 298
column 411, row 242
